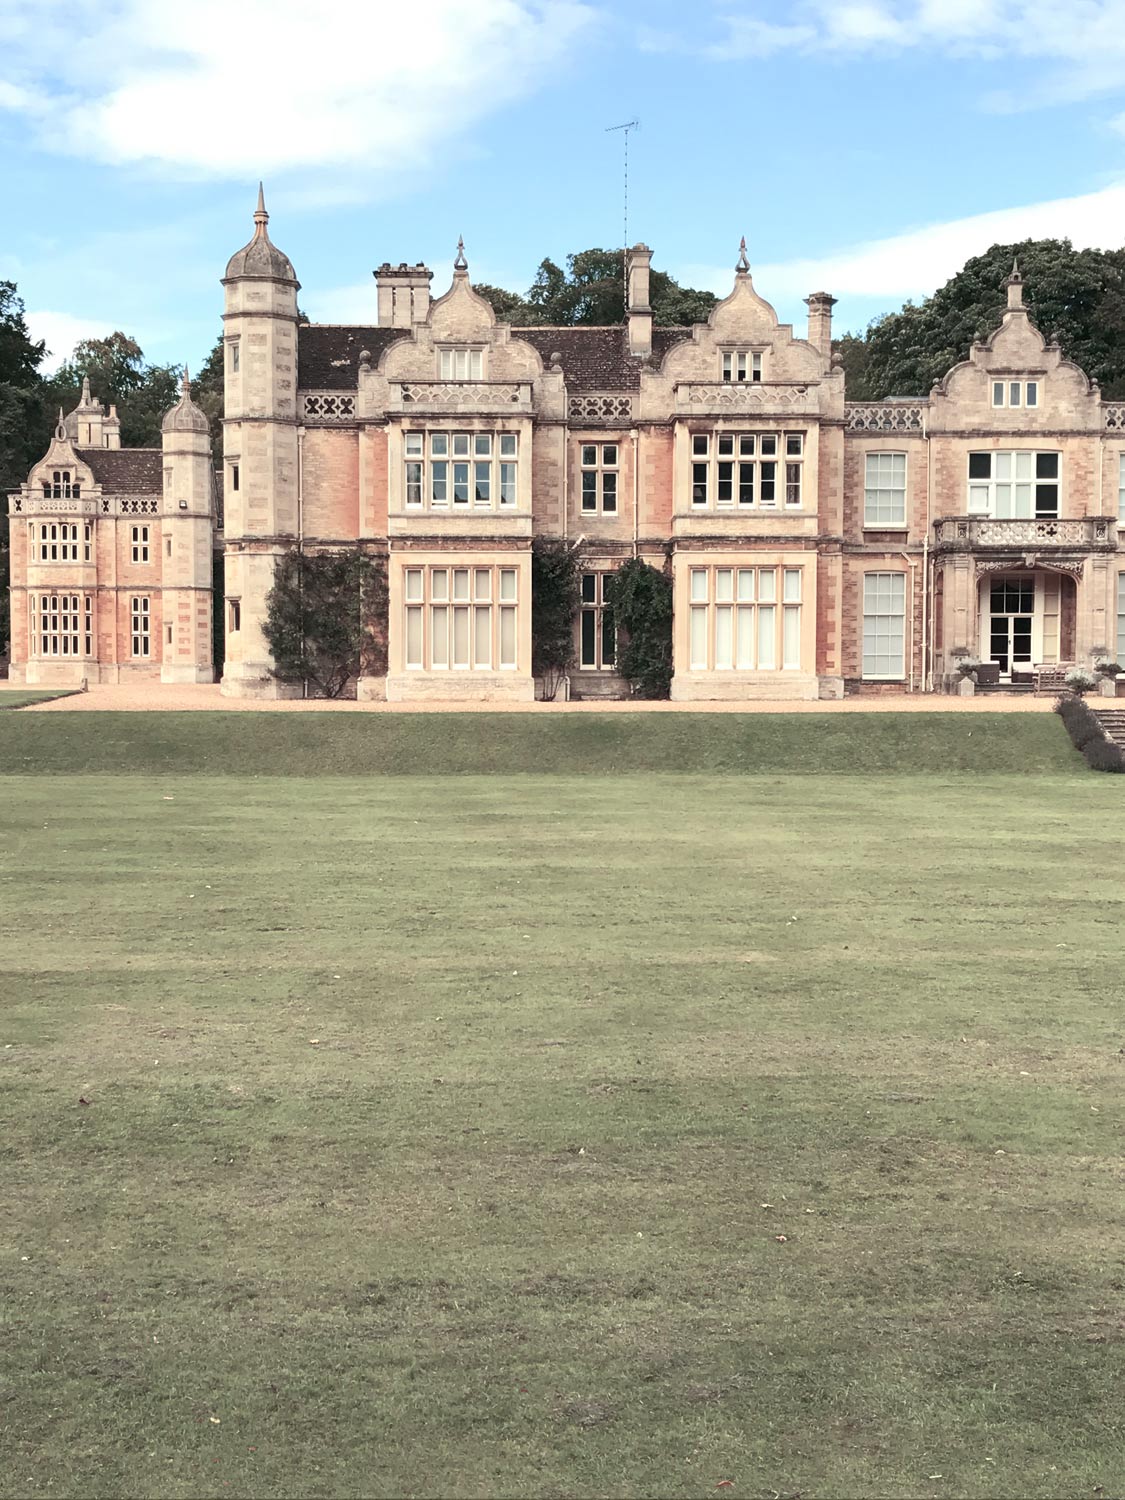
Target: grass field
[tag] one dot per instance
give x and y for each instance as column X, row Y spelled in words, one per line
column 24, row 697
column 558, row 1134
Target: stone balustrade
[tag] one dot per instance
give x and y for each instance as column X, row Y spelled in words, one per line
column 967, row 532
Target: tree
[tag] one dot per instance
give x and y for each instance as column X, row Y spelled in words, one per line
column 20, row 403
column 1074, row 296
column 556, row 594
column 118, row 377
column 591, row 292
column 326, row 619
column 207, row 393
column 641, row 598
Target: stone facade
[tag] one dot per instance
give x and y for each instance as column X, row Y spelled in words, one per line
column 815, row 546
column 111, row 554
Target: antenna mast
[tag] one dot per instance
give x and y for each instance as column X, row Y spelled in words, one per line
column 625, row 129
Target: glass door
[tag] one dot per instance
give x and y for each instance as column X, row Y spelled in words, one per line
column 1012, row 606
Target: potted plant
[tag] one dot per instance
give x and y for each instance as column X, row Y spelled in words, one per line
column 1079, row 681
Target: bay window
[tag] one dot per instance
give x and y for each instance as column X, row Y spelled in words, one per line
column 460, row 619
column 740, row 470
column 1013, row 485
column 738, row 621
column 461, row 470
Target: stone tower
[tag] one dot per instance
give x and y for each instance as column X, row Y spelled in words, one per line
column 186, row 554
column 262, row 505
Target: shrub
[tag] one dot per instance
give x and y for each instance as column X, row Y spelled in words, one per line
column 642, row 607
column 967, row 666
column 1078, row 680
column 1105, row 666
column 326, row 618
column 556, row 594
column 1104, row 755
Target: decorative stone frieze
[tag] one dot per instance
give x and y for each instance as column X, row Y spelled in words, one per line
column 327, row 406
column 884, row 416
column 600, row 407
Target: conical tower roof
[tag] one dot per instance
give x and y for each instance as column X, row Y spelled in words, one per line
column 261, row 257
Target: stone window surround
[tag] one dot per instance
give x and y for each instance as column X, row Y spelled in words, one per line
column 731, row 606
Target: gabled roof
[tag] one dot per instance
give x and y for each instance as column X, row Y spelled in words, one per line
column 328, row 353
column 598, row 359
column 126, row 471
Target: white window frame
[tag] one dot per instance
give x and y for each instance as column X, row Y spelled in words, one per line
column 61, row 486
column 599, row 478
column 459, row 362
column 1011, row 471
column 745, row 618
column 1121, row 617
column 596, row 617
column 141, row 544
column 1121, row 486
column 1015, row 394
column 738, row 470
column 61, row 541
column 881, row 486
column 881, row 609
column 742, row 366
column 460, row 617
column 62, row 626
column 234, row 615
column 140, row 626
column 447, row 470
column 235, row 361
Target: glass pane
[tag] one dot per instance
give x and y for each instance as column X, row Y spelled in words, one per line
column 791, row 636
column 745, row 649
column 589, row 588
column 609, row 493
column 609, row 639
column 791, row 584
column 482, row 445
column 589, row 489
column 998, row 393
column 1032, row 394
column 724, row 637
column 769, row 444
column 414, row 583
column 460, row 445
column 1014, row 393
column 439, row 444
column 1024, row 465
column 724, row 584
column 413, row 443
column 793, row 444
column 699, row 638
column 439, row 636
column 507, row 583
column 767, row 646
column 507, row 637
column 699, row 584
column 1046, row 465
column 1003, row 466
column 460, row 583
column 767, row 585
column 461, row 636
column 414, row 637
column 699, row 445
column 507, row 445
column 746, row 583
column 439, row 583
column 460, row 484
column 589, row 638
column 482, row 584
column 590, row 457
column 482, row 637
column 980, row 465
column 609, row 455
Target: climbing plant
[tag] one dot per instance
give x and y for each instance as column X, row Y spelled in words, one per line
column 556, row 593
column 326, row 619
column 641, row 598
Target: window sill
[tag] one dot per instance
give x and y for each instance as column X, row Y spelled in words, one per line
column 902, row 526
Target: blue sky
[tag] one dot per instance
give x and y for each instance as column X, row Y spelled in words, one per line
column 863, row 148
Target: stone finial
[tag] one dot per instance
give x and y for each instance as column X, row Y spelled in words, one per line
column 556, row 363
column 87, row 399
column 261, row 218
column 460, row 264
column 365, row 356
column 743, row 259
column 185, row 384
column 60, row 425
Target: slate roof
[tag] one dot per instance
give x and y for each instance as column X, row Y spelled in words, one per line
column 328, row 353
column 598, row 359
column 593, row 359
column 126, row 471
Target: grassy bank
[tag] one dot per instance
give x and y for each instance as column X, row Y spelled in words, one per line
column 298, row 744
column 24, row 697
column 560, row 1135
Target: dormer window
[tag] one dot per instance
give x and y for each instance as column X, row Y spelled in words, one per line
column 1015, row 393
column 461, row 364
column 61, row 487
column 742, row 365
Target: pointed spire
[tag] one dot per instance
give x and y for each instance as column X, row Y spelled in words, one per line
column 261, row 218
column 60, row 425
column 460, row 264
column 86, row 398
column 185, row 384
column 1014, row 285
column 743, row 260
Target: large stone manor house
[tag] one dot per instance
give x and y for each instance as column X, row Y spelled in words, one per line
column 816, row 546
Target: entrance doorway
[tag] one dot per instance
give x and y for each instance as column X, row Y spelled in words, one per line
column 1011, row 615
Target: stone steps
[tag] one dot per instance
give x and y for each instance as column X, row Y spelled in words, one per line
column 1112, row 721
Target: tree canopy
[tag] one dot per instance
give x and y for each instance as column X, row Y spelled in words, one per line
column 591, row 290
column 1074, row 296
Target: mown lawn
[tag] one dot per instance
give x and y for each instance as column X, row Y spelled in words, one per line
column 13, row 697
column 559, row 1135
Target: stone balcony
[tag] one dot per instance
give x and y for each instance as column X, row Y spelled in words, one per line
column 980, row 533
column 469, row 398
column 746, row 398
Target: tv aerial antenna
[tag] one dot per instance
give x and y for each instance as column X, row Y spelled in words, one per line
column 625, row 129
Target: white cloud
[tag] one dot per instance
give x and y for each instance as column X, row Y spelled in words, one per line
column 918, row 261
column 258, row 86
column 60, row 331
column 1081, row 42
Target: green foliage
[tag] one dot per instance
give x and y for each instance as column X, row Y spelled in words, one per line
column 118, row 377
column 1075, row 296
column 641, row 598
column 207, row 393
column 20, row 356
column 556, row 593
column 326, row 619
column 590, row 292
